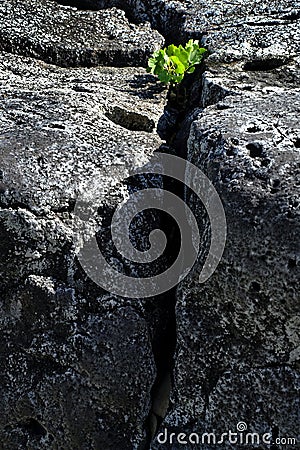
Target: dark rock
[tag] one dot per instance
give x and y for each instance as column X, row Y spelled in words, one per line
column 237, row 356
column 239, row 321
column 77, row 365
column 74, row 379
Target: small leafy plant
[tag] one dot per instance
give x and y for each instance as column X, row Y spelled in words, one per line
column 171, row 64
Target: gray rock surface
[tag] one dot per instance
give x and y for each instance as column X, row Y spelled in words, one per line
column 77, row 365
column 237, row 356
column 240, row 25
column 168, row 17
column 57, row 114
column 70, row 37
column 215, row 22
column 244, row 318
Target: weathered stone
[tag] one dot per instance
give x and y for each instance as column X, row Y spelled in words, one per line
column 74, row 378
column 243, row 26
column 168, row 17
column 58, row 123
column 237, row 355
column 77, row 365
column 69, row 37
column 259, row 25
column 238, row 320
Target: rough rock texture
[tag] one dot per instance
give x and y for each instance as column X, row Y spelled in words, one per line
column 74, row 378
column 69, row 37
column 260, row 24
column 57, row 113
column 82, row 369
column 244, row 319
column 237, row 356
column 168, row 17
column 215, row 22
column 77, row 365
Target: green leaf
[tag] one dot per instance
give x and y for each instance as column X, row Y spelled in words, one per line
column 191, row 69
column 170, row 50
column 183, row 55
column 170, row 64
column 179, row 67
column 196, row 54
column 164, row 77
column 191, row 44
column 151, row 64
column 178, row 78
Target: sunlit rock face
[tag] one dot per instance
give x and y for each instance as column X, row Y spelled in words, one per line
column 70, row 37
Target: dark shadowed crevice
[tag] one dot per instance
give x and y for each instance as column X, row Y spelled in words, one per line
column 33, row 427
column 262, row 65
column 292, row 17
column 131, row 120
column 163, row 347
column 297, row 143
column 174, row 128
column 256, row 149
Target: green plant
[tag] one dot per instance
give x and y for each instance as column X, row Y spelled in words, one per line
column 170, row 64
